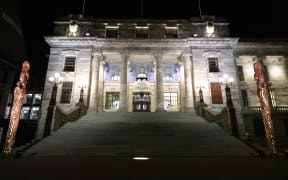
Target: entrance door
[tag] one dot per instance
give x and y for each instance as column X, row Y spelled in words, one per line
column 141, row 102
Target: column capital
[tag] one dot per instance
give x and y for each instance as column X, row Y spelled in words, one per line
column 158, row 55
column 96, row 53
column 125, row 54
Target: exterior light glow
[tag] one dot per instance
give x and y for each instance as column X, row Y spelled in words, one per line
column 171, row 27
column 141, row 158
column 112, row 27
column 142, row 27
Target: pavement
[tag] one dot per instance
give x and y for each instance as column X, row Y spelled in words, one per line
column 179, row 146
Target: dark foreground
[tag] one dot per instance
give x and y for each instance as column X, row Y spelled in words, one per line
column 156, row 168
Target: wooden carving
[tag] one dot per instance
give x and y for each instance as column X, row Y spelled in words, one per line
column 19, row 93
column 263, row 94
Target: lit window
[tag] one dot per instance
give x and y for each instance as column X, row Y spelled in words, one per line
column 115, row 77
column 171, row 101
column 210, row 28
column 112, row 100
column 24, row 113
column 141, row 76
column 167, row 77
column 112, row 32
column 171, row 32
column 213, row 64
column 73, row 28
column 35, row 112
column 69, row 65
column 142, row 32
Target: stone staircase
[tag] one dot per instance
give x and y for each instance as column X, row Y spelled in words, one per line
column 160, row 134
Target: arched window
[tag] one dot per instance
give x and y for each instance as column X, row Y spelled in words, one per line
column 167, row 77
column 141, row 76
column 115, row 77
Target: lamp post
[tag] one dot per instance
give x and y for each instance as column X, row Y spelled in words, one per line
column 81, row 99
column 56, row 80
column 201, row 100
column 227, row 81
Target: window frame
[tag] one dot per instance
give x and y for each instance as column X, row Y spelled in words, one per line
column 69, row 66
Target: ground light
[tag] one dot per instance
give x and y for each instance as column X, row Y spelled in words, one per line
column 141, row 158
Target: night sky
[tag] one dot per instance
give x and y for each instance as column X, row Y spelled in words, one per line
column 248, row 18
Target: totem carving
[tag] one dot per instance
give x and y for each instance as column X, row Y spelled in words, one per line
column 263, row 95
column 19, row 93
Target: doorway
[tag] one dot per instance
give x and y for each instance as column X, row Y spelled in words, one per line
column 141, row 102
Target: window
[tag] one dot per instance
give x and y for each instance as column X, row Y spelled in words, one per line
column 24, row 113
column 141, row 76
column 37, row 99
column 115, row 77
column 272, row 96
column 167, row 77
column 240, row 73
column 213, row 65
column 112, row 100
column 35, row 112
column 66, row 92
column 171, row 32
column 27, row 99
column 69, row 64
column 216, row 93
column 142, row 32
column 112, row 33
column 171, row 101
column 245, row 98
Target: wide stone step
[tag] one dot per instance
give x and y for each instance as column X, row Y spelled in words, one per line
column 129, row 134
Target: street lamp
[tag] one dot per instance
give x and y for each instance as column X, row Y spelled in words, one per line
column 201, row 100
column 81, row 99
column 56, row 80
column 227, row 81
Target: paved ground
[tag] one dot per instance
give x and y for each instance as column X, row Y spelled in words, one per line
column 180, row 146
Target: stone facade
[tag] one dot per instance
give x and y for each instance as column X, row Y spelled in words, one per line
column 158, row 65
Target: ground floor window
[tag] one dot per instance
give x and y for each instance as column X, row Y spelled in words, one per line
column 66, row 92
column 112, row 100
column 171, row 101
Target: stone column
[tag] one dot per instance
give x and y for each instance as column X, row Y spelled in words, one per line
column 123, row 83
column 188, row 83
column 93, row 83
column 159, row 81
column 100, row 93
column 182, row 86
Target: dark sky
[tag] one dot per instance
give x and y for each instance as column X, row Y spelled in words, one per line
column 248, row 18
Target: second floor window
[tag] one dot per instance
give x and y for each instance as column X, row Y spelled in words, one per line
column 167, row 77
column 142, row 32
column 115, row 77
column 69, row 65
column 171, row 32
column 213, row 64
column 112, row 32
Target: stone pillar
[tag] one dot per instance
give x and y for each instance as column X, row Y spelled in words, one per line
column 123, row 83
column 188, row 83
column 100, row 89
column 182, row 86
column 94, row 82
column 159, row 81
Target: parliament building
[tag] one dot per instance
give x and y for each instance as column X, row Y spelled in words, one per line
column 152, row 65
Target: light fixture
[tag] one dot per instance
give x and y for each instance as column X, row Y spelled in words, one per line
column 210, row 28
column 87, row 34
column 141, row 158
column 195, row 35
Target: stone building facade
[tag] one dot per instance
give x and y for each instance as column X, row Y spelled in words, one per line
column 133, row 65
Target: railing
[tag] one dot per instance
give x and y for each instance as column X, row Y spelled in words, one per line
column 281, row 108
column 218, row 117
column 74, row 114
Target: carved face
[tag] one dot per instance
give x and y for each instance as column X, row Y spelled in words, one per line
column 25, row 66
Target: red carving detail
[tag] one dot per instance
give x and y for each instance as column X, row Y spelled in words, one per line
column 263, row 94
column 19, row 93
